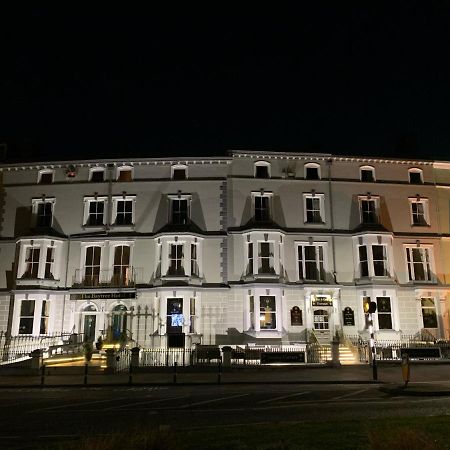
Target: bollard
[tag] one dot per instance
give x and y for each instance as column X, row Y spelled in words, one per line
column 42, row 375
column 85, row 374
column 405, row 369
column 175, row 372
column 219, row 374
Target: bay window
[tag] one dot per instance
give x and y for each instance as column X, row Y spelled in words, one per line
column 267, row 313
column 311, row 264
column 419, row 262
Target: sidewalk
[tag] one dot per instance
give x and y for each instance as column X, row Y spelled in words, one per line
column 428, row 378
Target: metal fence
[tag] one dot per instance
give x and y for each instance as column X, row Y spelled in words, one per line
column 13, row 348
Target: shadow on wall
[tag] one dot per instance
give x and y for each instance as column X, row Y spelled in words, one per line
column 22, row 221
column 277, row 214
column 247, row 212
column 233, row 337
column 385, row 219
column 162, row 212
column 197, row 215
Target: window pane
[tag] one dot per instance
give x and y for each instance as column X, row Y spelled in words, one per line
column 125, row 175
column 384, row 304
column 312, row 173
column 27, row 308
column 384, row 322
column 427, row 303
column 267, row 313
column 262, row 172
column 26, row 325
column 179, row 174
column 97, row 176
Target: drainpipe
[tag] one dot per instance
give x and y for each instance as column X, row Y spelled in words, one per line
column 65, row 284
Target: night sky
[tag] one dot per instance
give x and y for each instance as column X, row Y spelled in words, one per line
column 88, row 84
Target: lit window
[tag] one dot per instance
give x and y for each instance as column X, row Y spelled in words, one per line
column 312, row 171
column 429, row 313
column 384, row 313
column 45, row 176
column 311, row 266
column 419, row 263
column 415, row 176
column 262, row 169
column 313, row 205
column 174, row 318
column 267, row 313
column 125, row 173
column 368, row 209
column 419, row 211
column 367, row 174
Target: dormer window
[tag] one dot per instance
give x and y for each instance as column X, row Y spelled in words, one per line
column 97, row 175
column 367, row 174
column 45, row 176
column 125, row 173
column 415, row 176
column 312, row 171
column 262, row 169
column 179, row 172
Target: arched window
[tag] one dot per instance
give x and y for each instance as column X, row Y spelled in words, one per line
column 367, row 174
column 415, row 176
column 312, row 171
column 45, row 176
column 262, row 169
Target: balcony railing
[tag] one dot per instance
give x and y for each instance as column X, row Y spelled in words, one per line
column 125, row 277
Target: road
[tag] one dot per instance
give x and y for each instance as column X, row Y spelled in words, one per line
column 35, row 415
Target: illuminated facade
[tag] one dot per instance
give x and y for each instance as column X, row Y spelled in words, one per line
column 254, row 247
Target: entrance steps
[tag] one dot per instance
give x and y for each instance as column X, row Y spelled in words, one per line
column 98, row 359
column 346, row 356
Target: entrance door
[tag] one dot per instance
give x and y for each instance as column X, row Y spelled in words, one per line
column 321, row 321
column 119, row 322
column 89, row 328
column 175, row 322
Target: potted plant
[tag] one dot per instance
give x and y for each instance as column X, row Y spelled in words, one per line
column 88, row 351
column 99, row 343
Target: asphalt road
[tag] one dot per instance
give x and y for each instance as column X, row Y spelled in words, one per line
column 33, row 416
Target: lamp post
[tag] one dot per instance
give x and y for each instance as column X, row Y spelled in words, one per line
column 370, row 308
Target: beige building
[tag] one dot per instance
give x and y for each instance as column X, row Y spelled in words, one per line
column 257, row 247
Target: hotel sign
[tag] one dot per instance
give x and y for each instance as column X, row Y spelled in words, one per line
column 321, row 300
column 103, row 296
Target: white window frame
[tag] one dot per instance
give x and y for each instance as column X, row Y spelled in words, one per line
column 46, row 171
column 175, row 197
column 195, row 245
column 301, row 245
column 123, row 168
column 259, row 258
column 112, row 251
column 87, row 205
column 269, row 196
column 35, row 202
column 312, row 165
column 391, row 313
column 367, row 168
column 37, row 316
column 182, row 259
column 43, row 245
column 369, row 198
column 82, row 266
column 426, row 214
column 97, row 169
column 321, row 198
column 426, row 252
column 275, row 313
column 371, row 261
column 434, row 308
column 118, row 198
column 415, row 170
column 179, row 167
column 262, row 164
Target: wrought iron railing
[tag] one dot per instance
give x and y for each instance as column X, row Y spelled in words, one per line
column 123, row 277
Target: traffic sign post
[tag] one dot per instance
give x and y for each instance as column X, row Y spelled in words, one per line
column 370, row 308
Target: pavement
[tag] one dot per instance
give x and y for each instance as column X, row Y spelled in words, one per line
column 425, row 379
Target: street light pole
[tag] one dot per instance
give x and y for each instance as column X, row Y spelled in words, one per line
column 372, row 348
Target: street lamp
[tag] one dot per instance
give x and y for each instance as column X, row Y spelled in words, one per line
column 370, row 308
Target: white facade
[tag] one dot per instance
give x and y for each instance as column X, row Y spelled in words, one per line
column 255, row 247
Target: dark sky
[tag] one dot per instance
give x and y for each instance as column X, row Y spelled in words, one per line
column 107, row 83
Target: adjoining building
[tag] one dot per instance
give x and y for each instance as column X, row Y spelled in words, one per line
column 257, row 247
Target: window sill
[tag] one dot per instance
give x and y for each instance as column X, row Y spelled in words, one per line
column 315, row 223
column 45, row 282
column 420, row 225
column 123, row 227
